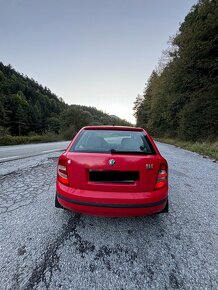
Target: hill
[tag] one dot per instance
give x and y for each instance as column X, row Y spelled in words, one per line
column 180, row 99
column 28, row 108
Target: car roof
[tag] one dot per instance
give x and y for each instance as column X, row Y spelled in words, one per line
column 109, row 127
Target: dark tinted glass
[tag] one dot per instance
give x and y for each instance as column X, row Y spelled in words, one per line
column 112, row 141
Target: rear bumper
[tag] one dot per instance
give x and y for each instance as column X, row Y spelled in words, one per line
column 112, row 203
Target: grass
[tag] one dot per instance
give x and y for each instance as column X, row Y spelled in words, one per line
column 204, row 148
column 14, row 140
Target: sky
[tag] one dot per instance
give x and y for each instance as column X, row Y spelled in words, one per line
column 90, row 52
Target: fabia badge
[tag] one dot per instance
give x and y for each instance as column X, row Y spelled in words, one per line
column 112, row 162
column 150, row 166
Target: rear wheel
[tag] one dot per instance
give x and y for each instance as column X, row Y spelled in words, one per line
column 57, row 204
column 166, row 209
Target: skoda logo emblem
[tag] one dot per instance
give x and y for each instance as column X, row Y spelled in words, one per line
column 112, row 162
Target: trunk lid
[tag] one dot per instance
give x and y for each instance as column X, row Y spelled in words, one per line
column 96, row 171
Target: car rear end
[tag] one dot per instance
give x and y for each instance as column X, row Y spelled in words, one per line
column 112, row 171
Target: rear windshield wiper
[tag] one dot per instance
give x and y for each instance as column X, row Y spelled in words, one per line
column 114, row 151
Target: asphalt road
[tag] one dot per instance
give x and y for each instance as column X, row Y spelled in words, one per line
column 14, row 152
column 42, row 247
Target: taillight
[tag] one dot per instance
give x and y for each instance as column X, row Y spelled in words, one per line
column 62, row 171
column 162, row 177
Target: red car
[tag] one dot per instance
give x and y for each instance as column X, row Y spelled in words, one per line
column 112, row 171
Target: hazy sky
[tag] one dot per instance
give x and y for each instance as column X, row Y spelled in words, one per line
column 90, row 52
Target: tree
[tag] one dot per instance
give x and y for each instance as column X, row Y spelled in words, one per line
column 54, row 125
column 181, row 98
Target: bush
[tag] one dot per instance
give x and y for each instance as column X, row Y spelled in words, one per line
column 68, row 133
column 14, row 140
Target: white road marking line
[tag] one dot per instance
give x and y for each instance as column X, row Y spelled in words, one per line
column 47, row 151
column 15, row 156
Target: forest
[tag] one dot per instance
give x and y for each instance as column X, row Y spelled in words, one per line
column 29, row 109
column 180, row 99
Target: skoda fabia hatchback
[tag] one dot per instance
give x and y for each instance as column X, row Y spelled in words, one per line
column 112, row 171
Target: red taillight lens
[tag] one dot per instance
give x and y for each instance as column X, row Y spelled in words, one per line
column 62, row 171
column 162, row 177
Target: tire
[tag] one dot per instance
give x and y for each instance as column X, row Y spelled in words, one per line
column 166, row 209
column 57, row 204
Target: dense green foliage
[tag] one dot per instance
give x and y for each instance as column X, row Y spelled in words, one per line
column 27, row 108
column 76, row 116
column 181, row 97
column 14, row 140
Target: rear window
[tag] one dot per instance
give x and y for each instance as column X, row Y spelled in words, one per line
column 113, row 141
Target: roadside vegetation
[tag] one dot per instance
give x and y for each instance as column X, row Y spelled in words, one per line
column 14, row 140
column 30, row 112
column 204, row 148
column 180, row 100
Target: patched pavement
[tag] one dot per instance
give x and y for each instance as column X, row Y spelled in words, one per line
column 47, row 248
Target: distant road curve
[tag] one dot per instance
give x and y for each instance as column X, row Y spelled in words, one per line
column 12, row 152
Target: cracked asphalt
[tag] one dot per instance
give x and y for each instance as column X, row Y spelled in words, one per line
column 42, row 247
